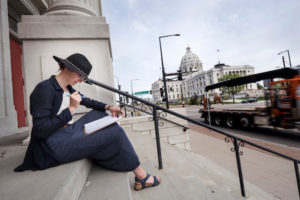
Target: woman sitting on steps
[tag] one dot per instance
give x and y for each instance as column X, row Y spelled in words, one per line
column 56, row 140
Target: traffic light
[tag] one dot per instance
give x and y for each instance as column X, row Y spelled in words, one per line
column 127, row 98
column 150, row 91
column 161, row 92
column 179, row 75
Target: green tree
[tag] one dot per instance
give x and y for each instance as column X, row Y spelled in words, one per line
column 194, row 100
column 259, row 86
column 230, row 90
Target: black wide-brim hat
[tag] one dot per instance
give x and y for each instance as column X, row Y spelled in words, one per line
column 76, row 63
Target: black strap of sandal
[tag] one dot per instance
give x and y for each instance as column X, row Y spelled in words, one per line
column 156, row 182
column 143, row 181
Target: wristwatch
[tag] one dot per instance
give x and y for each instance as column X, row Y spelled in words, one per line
column 108, row 107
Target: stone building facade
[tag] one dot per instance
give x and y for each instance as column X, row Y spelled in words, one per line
column 31, row 33
column 195, row 79
column 195, row 84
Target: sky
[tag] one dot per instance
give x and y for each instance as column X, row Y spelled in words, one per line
column 246, row 32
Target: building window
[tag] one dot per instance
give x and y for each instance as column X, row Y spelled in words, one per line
column 217, row 74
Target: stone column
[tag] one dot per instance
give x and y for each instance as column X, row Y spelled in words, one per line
column 8, row 114
column 74, row 7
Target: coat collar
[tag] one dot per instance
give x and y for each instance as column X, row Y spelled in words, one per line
column 57, row 86
column 55, row 83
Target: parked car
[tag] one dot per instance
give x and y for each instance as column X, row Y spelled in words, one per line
column 249, row 100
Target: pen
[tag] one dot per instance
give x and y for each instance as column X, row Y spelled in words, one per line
column 80, row 95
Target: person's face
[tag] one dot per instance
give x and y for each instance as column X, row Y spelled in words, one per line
column 75, row 78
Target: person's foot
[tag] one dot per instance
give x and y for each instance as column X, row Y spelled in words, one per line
column 148, row 181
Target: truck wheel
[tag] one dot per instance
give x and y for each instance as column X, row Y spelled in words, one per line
column 230, row 122
column 218, row 120
column 244, row 122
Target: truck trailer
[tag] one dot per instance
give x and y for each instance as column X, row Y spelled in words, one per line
column 282, row 104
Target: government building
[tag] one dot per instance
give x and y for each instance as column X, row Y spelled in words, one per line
column 195, row 79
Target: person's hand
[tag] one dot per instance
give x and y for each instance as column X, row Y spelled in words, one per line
column 75, row 100
column 115, row 111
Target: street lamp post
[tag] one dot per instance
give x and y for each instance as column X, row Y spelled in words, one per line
column 132, row 89
column 163, row 68
column 119, row 86
column 288, row 56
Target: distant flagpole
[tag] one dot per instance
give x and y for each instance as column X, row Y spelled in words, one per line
column 218, row 54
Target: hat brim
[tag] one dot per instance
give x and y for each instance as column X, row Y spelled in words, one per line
column 70, row 67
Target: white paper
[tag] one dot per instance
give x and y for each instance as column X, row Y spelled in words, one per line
column 100, row 123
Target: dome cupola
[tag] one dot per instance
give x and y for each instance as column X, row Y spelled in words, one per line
column 190, row 62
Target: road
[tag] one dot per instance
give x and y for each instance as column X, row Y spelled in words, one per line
column 276, row 138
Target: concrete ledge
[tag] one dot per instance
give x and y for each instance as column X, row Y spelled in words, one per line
column 169, row 132
column 132, row 120
column 61, row 182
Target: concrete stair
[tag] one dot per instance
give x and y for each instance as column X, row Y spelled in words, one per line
column 185, row 175
column 59, row 183
column 106, row 185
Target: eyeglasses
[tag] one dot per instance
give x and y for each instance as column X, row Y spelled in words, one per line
column 82, row 77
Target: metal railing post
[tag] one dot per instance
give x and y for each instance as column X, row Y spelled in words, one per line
column 160, row 165
column 124, row 104
column 207, row 100
column 297, row 176
column 238, row 160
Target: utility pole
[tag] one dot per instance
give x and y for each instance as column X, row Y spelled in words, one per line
column 288, row 56
column 283, row 61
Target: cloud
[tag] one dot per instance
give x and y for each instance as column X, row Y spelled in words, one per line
column 246, row 32
column 139, row 26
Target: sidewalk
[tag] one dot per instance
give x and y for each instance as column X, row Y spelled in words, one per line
column 270, row 173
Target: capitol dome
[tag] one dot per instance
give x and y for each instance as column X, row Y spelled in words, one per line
column 190, row 62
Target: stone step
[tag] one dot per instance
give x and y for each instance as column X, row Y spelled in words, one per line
column 59, row 183
column 176, row 187
column 192, row 169
column 106, row 185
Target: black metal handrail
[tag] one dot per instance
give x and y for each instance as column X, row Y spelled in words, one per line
column 162, row 118
column 237, row 141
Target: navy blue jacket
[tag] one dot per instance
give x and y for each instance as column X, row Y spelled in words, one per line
column 45, row 101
